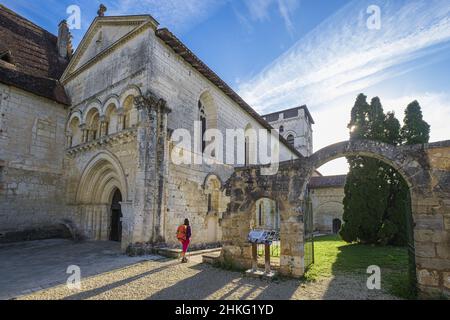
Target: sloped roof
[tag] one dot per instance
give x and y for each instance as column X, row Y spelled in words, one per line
column 36, row 65
column 327, row 182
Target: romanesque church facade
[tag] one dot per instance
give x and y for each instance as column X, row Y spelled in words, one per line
column 85, row 137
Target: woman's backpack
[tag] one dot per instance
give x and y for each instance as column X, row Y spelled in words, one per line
column 181, row 232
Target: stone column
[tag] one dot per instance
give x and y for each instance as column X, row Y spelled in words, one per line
column 98, row 222
column 84, row 134
column 120, row 119
column 69, row 141
column 432, row 247
column 103, row 213
column 103, row 126
column 152, row 146
column 291, row 242
column 128, row 222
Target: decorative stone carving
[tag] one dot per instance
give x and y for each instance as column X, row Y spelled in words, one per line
column 101, row 11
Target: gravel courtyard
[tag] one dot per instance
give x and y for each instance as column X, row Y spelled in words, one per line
column 37, row 270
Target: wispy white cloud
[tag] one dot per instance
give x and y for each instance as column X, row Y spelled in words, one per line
column 286, row 7
column 260, row 10
column 342, row 55
column 179, row 15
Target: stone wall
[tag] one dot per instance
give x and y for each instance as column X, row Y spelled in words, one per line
column 187, row 197
column 432, row 224
column 183, row 87
column 160, row 194
column 31, row 160
column 327, row 205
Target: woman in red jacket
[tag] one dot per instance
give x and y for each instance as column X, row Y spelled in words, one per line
column 185, row 242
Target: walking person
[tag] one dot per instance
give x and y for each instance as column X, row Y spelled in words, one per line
column 184, row 236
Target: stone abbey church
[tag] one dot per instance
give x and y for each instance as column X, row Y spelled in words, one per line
column 85, row 135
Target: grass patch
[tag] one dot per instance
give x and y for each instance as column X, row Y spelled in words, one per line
column 334, row 256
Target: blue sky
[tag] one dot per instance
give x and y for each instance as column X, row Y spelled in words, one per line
column 282, row 53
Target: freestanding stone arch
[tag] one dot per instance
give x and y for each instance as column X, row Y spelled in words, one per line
column 425, row 168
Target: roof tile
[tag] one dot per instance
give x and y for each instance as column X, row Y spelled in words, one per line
column 37, row 65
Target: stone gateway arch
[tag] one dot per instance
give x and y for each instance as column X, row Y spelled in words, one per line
column 425, row 168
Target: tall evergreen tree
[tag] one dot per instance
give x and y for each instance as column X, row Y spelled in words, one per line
column 393, row 230
column 377, row 201
column 415, row 130
column 365, row 190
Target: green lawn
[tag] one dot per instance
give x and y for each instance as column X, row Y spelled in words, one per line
column 334, row 256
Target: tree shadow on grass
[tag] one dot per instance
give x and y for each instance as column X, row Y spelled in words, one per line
column 349, row 270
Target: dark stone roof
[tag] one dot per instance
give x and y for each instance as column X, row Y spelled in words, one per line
column 178, row 47
column 327, row 182
column 35, row 65
column 304, row 107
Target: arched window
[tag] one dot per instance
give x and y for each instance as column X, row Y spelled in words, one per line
column 74, row 132
column 291, row 140
column 260, row 214
column 93, row 124
column 267, row 214
column 210, row 207
column 95, row 127
column 111, row 119
column 281, row 129
column 202, row 119
column 212, row 189
column 129, row 113
column 250, row 145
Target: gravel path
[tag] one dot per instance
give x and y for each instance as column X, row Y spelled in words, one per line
column 168, row 279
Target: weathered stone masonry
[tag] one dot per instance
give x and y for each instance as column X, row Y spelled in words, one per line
column 152, row 161
column 67, row 151
column 426, row 168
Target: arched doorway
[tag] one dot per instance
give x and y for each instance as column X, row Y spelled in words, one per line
column 407, row 169
column 337, row 223
column 116, row 217
column 101, row 188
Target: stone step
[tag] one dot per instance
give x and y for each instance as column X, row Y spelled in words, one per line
column 211, row 258
column 176, row 253
column 260, row 274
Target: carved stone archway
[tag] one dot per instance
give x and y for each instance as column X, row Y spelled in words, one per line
column 102, row 176
column 425, row 168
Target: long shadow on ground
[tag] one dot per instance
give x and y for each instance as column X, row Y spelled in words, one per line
column 210, row 283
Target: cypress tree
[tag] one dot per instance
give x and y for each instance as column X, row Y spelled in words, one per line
column 415, row 130
column 377, row 203
column 393, row 230
column 365, row 190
